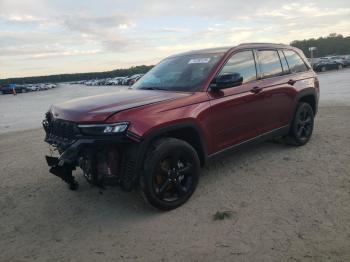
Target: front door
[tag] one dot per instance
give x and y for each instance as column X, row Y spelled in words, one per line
column 235, row 110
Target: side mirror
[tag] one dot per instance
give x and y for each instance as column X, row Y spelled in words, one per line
column 226, row 80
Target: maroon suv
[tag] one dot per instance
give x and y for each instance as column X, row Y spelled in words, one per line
column 187, row 110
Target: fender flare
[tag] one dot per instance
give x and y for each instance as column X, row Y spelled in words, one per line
column 146, row 141
column 310, row 91
column 149, row 138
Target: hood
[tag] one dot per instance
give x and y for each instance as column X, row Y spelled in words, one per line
column 99, row 107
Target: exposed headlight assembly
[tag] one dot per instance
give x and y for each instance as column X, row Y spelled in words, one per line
column 104, row 129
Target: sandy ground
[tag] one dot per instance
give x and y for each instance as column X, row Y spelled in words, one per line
column 287, row 203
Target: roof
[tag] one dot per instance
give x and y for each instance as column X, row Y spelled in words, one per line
column 205, row 51
column 257, row 45
column 226, row 49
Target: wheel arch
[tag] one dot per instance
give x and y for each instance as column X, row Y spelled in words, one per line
column 309, row 96
column 189, row 132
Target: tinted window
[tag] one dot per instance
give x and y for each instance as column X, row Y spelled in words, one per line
column 296, row 64
column 283, row 62
column 270, row 63
column 242, row 63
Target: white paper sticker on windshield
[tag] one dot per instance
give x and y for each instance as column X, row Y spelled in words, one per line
column 199, row 61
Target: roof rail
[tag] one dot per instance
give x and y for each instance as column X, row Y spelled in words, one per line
column 257, row 43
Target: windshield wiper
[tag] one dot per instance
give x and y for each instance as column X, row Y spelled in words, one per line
column 152, row 88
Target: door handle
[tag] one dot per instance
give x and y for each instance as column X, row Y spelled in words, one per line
column 256, row 89
column 291, row 82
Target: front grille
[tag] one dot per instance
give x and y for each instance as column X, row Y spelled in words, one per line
column 60, row 132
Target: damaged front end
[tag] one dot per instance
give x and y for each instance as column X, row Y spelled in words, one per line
column 106, row 153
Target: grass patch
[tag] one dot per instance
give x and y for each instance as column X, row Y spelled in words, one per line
column 221, row 215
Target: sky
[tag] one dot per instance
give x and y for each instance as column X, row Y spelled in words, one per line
column 43, row 37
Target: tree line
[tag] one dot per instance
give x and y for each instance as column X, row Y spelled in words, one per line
column 77, row 76
column 334, row 44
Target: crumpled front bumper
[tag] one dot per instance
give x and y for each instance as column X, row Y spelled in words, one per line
column 72, row 152
column 75, row 149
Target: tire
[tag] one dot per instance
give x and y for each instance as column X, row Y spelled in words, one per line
column 302, row 125
column 24, row 90
column 323, row 69
column 171, row 173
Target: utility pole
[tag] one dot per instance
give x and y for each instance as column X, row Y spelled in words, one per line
column 312, row 49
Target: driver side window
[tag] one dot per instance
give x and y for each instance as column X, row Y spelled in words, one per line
column 243, row 64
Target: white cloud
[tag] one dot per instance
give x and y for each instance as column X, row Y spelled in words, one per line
column 108, row 33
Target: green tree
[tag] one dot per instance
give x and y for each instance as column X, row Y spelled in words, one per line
column 334, row 44
column 78, row 76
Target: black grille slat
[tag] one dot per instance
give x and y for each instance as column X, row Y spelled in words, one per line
column 61, row 131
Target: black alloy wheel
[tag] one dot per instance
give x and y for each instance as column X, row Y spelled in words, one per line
column 171, row 173
column 302, row 126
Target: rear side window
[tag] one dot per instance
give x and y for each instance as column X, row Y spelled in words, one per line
column 270, row 63
column 242, row 63
column 296, row 64
column 283, row 62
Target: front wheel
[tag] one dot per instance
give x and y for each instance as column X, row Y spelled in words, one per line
column 302, row 125
column 171, row 173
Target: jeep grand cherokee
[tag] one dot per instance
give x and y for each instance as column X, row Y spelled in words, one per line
column 184, row 112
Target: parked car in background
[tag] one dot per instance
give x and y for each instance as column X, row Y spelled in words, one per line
column 114, row 81
column 327, row 64
column 132, row 79
column 43, row 87
column 91, row 82
column 49, row 86
column 121, row 79
column 344, row 60
column 33, row 88
column 8, row 89
column 125, row 80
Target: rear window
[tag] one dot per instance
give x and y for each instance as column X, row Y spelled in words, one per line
column 270, row 63
column 296, row 64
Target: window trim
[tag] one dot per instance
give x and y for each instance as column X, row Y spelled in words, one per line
column 261, row 77
column 229, row 57
column 280, row 51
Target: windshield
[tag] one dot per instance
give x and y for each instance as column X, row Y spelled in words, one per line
column 180, row 73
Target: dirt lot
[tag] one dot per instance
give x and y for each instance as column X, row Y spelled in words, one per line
column 287, row 203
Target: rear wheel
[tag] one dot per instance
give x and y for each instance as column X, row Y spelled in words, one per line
column 171, row 173
column 302, row 125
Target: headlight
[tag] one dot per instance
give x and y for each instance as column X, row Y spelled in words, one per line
column 104, row 129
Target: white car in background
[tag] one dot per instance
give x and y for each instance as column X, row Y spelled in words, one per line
column 33, row 88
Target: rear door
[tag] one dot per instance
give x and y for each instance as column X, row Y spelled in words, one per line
column 300, row 74
column 278, row 93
